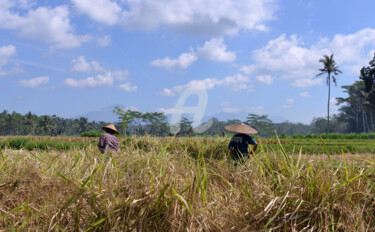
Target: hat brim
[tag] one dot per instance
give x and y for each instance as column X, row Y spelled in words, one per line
column 109, row 128
column 241, row 128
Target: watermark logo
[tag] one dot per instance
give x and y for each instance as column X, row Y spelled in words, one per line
column 197, row 111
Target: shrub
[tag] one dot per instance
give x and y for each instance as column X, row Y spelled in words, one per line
column 91, row 134
column 18, row 143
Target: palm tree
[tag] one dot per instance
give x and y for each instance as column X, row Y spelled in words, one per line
column 329, row 67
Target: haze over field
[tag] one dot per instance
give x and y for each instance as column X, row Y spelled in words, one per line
column 71, row 57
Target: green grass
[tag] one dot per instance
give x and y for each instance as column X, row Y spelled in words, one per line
column 212, row 147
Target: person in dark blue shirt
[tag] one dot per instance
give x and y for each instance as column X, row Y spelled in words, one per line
column 239, row 144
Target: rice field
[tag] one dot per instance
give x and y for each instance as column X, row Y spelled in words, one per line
column 185, row 184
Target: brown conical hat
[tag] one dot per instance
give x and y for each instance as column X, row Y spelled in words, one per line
column 241, row 128
column 112, row 127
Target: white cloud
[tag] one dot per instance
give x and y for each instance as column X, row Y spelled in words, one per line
column 182, row 62
column 6, row 52
column 128, row 87
column 104, row 79
column 265, row 79
column 289, row 100
column 51, row 25
column 216, row 50
column 104, row 41
column 33, row 83
column 304, row 94
column 120, row 75
column 199, row 17
column 91, row 82
column 235, row 83
column 333, row 101
column 350, row 48
column 285, row 57
column 81, row 65
column 105, row 11
column 288, row 103
column 305, row 82
column 289, row 59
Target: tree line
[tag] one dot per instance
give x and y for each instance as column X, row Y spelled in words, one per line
column 136, row 123
column 357, row 110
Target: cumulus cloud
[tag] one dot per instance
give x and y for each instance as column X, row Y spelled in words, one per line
column 128, row 87
column 182, row 62
column 204, row 17
column 265, row 79
column 304, row 94
column 288, row 58
column 33, row 83
column 235, row 83
column 103, row 79
column 216, row 50
column 91, row 82
column 120, row 75
column 81, row 65
column 50, row 25
column 105, row 11
column 104, row 41
column 6, row 53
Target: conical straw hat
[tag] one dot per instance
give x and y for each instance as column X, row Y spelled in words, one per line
column 112, row 127
column 241, row 128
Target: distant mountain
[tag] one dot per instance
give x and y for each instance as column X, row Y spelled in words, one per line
column 106, row 114
column 223, row 116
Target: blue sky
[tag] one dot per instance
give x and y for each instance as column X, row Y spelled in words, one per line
column 69, row 57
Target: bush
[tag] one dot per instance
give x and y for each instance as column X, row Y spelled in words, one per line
column 91, row 134
column 2, row 144
column 18, row 143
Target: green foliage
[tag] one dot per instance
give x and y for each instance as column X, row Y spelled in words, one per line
column 92, row 134
column 18, row 143
column 329, row 68
column 24, row 143
column 262, row 124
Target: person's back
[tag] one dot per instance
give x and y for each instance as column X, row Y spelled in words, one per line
column 107, row 141
column 239, row 145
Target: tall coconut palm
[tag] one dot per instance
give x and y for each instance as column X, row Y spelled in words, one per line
column 329, row 68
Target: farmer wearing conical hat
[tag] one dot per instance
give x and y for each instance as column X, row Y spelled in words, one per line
column 107, row 141
column 240, row 141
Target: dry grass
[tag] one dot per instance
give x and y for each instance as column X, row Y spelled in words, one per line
column 154, row 189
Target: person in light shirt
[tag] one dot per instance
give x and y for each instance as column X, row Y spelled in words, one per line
column 107, row 141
